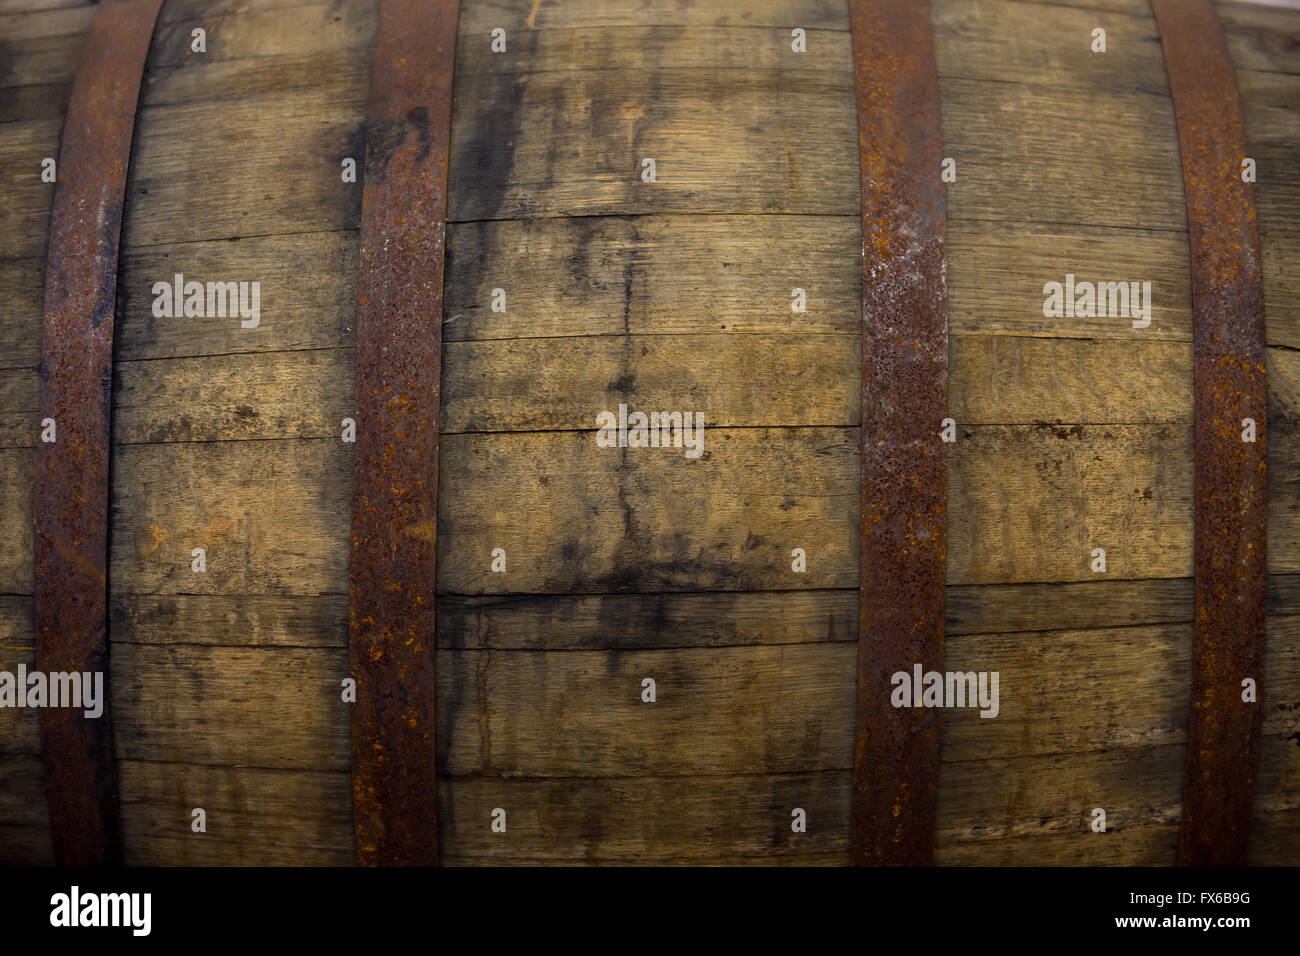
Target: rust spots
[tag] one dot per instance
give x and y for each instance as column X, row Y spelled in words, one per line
column 71, row 518
column 1230, row 480
column 426, row 530
column 633, row 113
column 395, row 458
column 904, row 400
column 220, row 530
column 532, row 14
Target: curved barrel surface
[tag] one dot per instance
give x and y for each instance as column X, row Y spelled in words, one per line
column 569, row 573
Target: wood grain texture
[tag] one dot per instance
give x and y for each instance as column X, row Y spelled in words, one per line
column 1004, row 379
column 1051, row 46
column 38, row 56
column 33, row 23
column 1028, row 503
column 997, row 272
column 212, row 13
column 631, row 621
column 1135, row 8
column 668, row 274
column 1260, row 37
column 671, row 295
column 651, row 274
column 33, row 6
column 340, row 72
column 305, row 279
column 1006, row 809
column 1025, row 504
column 1283, row 496
column 17, row 495
column 1271, row 118
column 479, row 19
column 286, row 180
column 579, row 713
column 272, row 515
column 24, row 283
column 246, row 31
column 295, row 394
column 1284, row 388
column 640, row 46
column 1270, row 106
column 220, row 497
column 19, row 419
column 19, row 730
column 255, row 817
column 644, row 621
column 578, row 139
column 25, row 215
column 282, row 817
column 257, row 707
column 1022, row 149
column 234, row 620
column 1037, row 154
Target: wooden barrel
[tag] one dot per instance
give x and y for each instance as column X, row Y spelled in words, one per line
column 623, row 565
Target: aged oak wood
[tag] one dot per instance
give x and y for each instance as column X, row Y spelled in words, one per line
column 674, row 295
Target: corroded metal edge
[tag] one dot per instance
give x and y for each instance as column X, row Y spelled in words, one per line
column 904, row 400
column 395, row 463
column 71, row 516
column 1230, row 475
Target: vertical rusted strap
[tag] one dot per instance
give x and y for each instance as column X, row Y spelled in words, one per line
column 395, row 465
column 71, row 518
column 1231, row 489
column 904, row 401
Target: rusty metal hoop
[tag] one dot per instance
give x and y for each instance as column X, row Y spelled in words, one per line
column 904, row 401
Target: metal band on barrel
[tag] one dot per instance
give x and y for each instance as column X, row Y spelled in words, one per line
column 395, row 465
column 71, row 517
column 1230, row 478
column 904, row 401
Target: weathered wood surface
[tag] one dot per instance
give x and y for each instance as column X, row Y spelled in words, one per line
column 1027, row 503
column 479, row 18
column 1012, row 808
column 24, row 820
column 32, row 6
column 1267, row 65
column 535, row 176
column 674, row 295
column 1260, row 37
column 643, row 621
column 1053, row 47
column 1272, row 121
column 666, row 619
column 559, row 383
column 19, row 733
column 25, row 215
column 655, row 275
column 578, row 713
column 255, row 816
column 269, row 514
